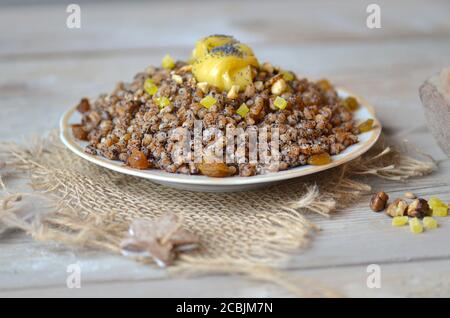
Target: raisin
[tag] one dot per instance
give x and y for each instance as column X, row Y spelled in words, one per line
column 79, row 132
column 138, row 160
column 319, row 159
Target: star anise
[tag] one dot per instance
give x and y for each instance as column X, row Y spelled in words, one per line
column 161, row 239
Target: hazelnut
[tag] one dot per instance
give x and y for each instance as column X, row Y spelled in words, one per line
column 378, row 201
column 397, row 208
column 177, row 79
column 419, row 208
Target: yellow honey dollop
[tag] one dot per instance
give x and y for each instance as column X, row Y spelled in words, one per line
column 221, row 61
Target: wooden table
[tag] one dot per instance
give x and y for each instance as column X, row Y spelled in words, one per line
column 46, row 67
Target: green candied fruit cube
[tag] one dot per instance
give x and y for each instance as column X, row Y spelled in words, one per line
column 242, row 110
column 150, row 87
column 436, row 202
column 162, row 102
column 280, row 103
column 399, row 220
column 440, row 211
column 168, row 63
column 208, row 101
column 415, row 226
column 429, row 223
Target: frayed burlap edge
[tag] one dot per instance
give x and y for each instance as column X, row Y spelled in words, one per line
column 64, row 222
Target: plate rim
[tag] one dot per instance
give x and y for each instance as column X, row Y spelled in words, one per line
column 168, row 177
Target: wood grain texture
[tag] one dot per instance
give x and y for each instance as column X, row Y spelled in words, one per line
column 47, row 68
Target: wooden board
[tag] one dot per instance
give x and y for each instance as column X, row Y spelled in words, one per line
column 46, row 68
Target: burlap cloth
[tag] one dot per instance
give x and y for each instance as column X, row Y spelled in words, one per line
column 252, row 233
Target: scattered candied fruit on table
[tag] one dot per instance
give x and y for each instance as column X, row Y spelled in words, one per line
column 287, row 76
column 415, row 226
column 138, row 160
column 399, row 220
column 168, row 63
column 320, row 159
column 441, row 211
column 366, row 125
column 208, row 101
column 280, row 103
column 429, row 223
column 242, row 110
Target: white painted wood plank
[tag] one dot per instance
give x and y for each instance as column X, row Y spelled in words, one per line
column 119, row 26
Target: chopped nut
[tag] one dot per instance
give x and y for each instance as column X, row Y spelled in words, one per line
column 378, row 201
column 259, row 85
column 410, row 195
column 279, row 87
column 203, row 87
column 397, row 208
column 185, row 69
column 233, row 92
column 419, row 208
column 177, row 78
column 268, row 68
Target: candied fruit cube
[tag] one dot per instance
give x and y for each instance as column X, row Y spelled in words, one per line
column 150, row 87
column 168, row 63
column 242, row 110
column 429, row 223
column 319, row 159
column 162, row 102
column 280, row 103
column 436, row 202
column 399, row 220
column 415, row 226
column 366, row 125
column 440, row 211
column 208, row 101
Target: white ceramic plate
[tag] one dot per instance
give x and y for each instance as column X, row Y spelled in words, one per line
column 235, row 183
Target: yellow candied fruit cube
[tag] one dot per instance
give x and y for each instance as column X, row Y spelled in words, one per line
column 242, row 110
column 399, row 220
column 436, row 202
column 287, row 76
column 208, row 101
column 429, row 223
column 415, row 226
column 280, row 103
column 440, row 211
column 162, row 102
column 168, row 63
column 150, row 87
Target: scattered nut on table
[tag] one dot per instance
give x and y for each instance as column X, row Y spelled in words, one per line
column 419, row 208
column 378, row 201
column 397, row 208
column 410, row 195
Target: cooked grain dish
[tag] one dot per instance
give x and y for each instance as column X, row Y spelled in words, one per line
column 139, row 123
